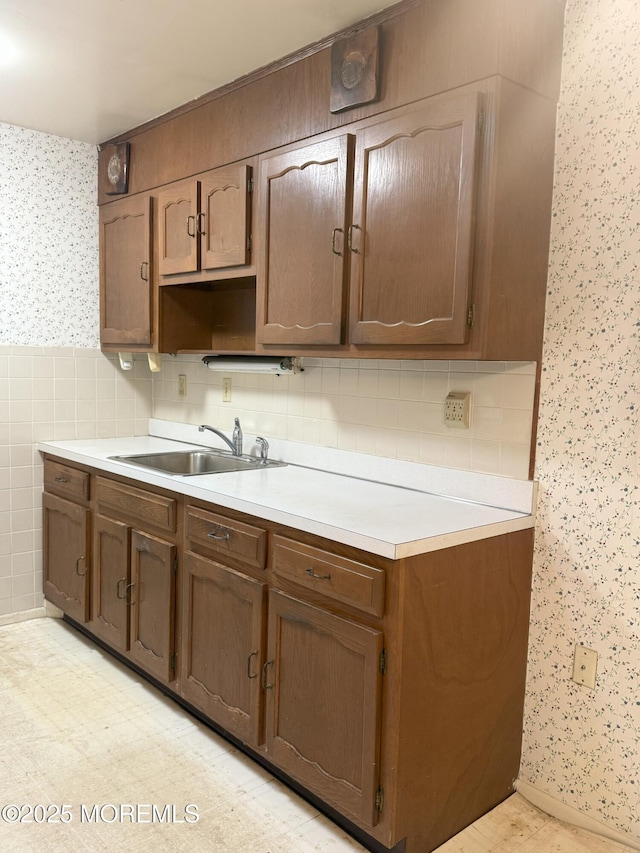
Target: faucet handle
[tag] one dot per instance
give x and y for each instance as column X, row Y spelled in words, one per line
column 264, row 448
column 237, row 437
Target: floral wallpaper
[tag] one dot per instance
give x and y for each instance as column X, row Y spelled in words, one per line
column 583, row 746
column 48, row 240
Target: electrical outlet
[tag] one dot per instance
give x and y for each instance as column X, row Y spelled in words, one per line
column 226, row 389
column 457, row 406
column 182, row 385
column 585, row 663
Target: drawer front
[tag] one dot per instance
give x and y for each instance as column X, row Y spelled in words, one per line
column 226, row 537
column 65, row 480
column 339, row 578
column 136, row 506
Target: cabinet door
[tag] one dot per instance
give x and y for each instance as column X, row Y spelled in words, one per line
column 125, row 271
column 67, row 555
column 111, row 577
column 178, row 243
column 222, row 645
column 412, row 234
column 152, row 602
column 322, row 680
column 301, row 274
column 224, row 221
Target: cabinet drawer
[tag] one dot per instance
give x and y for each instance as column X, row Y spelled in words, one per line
column 67, row 481
column 136, row 505
column 227, row 537
column 336, row 577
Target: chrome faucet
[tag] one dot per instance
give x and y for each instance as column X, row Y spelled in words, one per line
column 235, row 443
column 264, row 449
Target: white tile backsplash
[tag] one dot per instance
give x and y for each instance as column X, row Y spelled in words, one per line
column 387, row 408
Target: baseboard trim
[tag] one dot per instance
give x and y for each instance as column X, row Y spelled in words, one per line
column 23, row 616
column 556, row 808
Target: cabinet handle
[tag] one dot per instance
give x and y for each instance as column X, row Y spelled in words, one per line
column 127, row 594
column 333, row 241
column 121, row 594
column 220, row 536
column 255, row 674
column 78, row 572
column 266, row 686
column 352, row 228
column 61, row 480
column 191, row 224
column 200, row 218
column 312, row 574
column 144, row 270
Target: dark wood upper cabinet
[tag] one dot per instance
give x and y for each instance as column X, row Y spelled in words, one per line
column 408, row 245
column 224, row 223
column 125, row 272
column 178, row 246
column 302, row 263
column 411, row 239
column 401, row 228
column 205, row 224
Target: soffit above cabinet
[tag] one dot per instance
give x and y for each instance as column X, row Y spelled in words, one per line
column 126, row 64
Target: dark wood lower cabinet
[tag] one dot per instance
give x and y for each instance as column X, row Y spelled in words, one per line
column 323, row 683
column 222, row 645
column 111, row 582
column 390, row 691
column 153, row 604
column 67, row 555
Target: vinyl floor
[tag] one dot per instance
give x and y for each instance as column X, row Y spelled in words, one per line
column 93, row 758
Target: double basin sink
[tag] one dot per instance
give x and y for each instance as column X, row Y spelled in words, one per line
column 187, row 463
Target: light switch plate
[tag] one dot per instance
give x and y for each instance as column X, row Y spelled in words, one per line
column 585, row 662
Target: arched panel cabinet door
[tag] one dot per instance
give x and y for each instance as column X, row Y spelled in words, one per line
column 67, row 555
column 152, row 601
column 411, row 241
column 302, row 264
column 205, row 224
column 323, row 684
column 178, row 243
column 125, row 272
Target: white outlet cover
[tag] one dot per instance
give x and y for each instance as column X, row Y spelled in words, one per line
column 585, row 663
column 457, row 407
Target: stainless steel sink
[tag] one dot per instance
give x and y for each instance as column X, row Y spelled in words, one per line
column 188, row 463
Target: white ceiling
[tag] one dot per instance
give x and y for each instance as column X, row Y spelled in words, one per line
column 91, row 69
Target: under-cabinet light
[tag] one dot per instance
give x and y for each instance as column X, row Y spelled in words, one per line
column 253, row 364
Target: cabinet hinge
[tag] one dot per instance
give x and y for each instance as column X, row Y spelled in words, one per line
column 481, row 121
column 383, row 661
column 471, row 315
column 174, row 662
column 379, row 799
column 249, row 185
column 174, row 565
column 249, row 241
